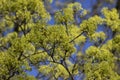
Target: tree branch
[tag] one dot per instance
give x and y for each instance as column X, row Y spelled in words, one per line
column 76, row 37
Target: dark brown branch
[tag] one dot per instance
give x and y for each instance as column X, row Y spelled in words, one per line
column 66, row 67
column 118, row 5
column 11, row 76
column 76, row 37
column 19, row 58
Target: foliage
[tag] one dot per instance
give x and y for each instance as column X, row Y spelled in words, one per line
column 50, row 48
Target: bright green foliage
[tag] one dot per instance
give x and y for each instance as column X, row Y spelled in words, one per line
column 112, row 19
column 99, row 64
column 98, row 35
column 50, row 48
column 67, row 18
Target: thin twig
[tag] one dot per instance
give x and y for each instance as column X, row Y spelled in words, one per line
column 76, row 37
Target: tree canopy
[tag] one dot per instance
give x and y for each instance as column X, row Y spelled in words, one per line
column 56, row 51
